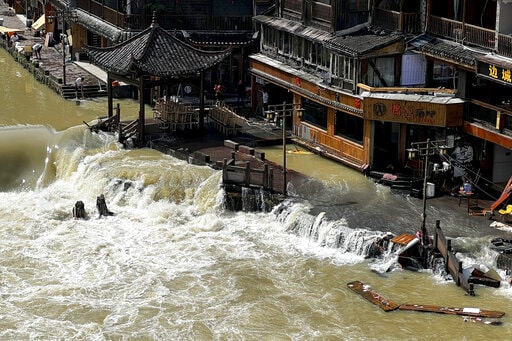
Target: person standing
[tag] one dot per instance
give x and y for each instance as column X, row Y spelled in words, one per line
column 265, row 101
column 79, row 86
column 219, row 96
column 240, row 90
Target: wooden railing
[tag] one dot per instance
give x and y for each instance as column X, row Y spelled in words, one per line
column 397, row 21
column 479, row 36
column 142, row 21
column 225, row 120
column 452, row 264
column 175, row 116
column 247, row 176
column 505, row 44
column 445, row 27
column 469, row 34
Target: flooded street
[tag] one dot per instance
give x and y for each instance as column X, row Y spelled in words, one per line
column 172, row 264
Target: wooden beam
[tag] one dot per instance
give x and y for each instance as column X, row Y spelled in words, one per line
column 402, row 89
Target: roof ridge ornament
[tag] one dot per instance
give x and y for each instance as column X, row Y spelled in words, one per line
column 153, row 20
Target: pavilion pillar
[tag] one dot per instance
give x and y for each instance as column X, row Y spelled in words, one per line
column 201, row 100
column 109, row 95
column 142, row 114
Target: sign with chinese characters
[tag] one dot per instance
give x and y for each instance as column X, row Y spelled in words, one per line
column 413, row 112
column 495, row 72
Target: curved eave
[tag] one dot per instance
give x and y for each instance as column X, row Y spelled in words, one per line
column 155, row 51
column 201, row 63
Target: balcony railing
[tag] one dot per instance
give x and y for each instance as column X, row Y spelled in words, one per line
column 505, row 44
column 471, row 34
column 183, row 22
column 397, row 21
column 486, row 116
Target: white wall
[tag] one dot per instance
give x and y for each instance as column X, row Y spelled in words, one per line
column 502, row 166
column 505, row 13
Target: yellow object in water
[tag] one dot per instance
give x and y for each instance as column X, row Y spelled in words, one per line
column 298, row 151
column 506, row 211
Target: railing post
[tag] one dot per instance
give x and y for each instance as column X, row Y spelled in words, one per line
column 265, row 176
column 271, row 179
column 247, row 173
column 224, row 170
column 438, row 227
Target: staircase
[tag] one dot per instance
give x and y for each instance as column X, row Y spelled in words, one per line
column 90, row 91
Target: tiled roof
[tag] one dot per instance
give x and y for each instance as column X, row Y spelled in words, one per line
column 212, row 38
column 448, row 51
column 311, row 33
column 156, row 52
column 98, row 26
column 363, row 41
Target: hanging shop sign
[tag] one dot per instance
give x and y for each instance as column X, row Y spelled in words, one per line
column 413, row 111
column 495, row 72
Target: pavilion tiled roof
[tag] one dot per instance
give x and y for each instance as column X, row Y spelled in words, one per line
column 212, row 38
column 156, row 52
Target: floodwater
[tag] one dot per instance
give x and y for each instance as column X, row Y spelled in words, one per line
column 171, row 264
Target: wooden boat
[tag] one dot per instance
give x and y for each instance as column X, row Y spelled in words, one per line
column 474, row 312
column 371, row 295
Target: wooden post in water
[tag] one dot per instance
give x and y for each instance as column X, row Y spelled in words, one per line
column 265, row 176
column 247, row 174
column 436, row 234
column 224, row 170
column 283, row 124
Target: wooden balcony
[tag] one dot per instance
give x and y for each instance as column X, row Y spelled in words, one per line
column 471, row 34
column 397, row 21
column 185, row 22
column 505, row 44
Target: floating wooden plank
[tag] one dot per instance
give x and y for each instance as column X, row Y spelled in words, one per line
column 474, row 312
column 371, row 295
column 403, row 239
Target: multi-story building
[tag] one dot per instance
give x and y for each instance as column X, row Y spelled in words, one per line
column 206, row 24
column 372, row 77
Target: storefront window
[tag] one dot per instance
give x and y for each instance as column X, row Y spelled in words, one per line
column 315, row 114
column 444, row 75
column 349, row 127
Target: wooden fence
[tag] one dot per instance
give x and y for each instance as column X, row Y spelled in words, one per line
column 224, row 119
column 452, row 264
column 173, row 116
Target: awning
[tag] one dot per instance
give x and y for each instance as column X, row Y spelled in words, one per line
column 39, row 23
column 4, row 30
